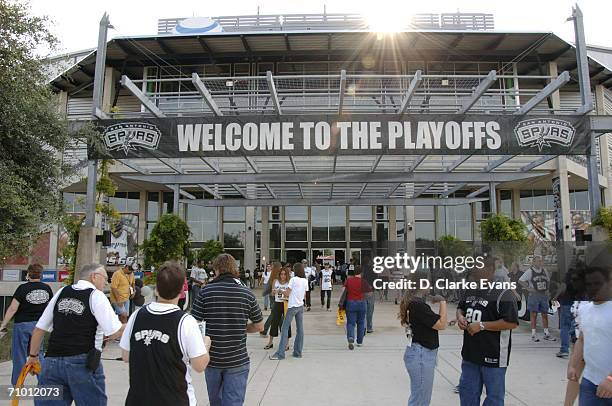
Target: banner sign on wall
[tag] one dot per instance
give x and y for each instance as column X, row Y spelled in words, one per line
column 441, row 134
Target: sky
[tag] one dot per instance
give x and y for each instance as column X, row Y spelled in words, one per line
column 75, row 22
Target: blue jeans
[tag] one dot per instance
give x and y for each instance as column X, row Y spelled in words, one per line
column 588, row 395
column 20, row 347
column 298, row 344
column 355, row 315
column 226, row 387
column 121, row 308
column 369, row 297
column 266, row 298
column 566, row 320
column 421, row 364
column 84, row 387
column 473, row 376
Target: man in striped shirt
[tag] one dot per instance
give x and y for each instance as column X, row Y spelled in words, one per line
column 227, row 306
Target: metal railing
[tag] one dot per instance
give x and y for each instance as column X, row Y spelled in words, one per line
column 311, row 94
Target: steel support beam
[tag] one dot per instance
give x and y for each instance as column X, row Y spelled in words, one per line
column 363, row 188
column 136, row 167
column 273, row 94
column 498, row 162
column 98, row 83
column 212, row 166
column 550, row 88
column 239, row 190
column 201, row 88
column 601, row 124
column 453, row 189
column 332, row 202
column 366, row 177
column 537, row 162
column 269, row 188
column 170, row 165
column 458, row 162
column 211, row 191
column 482, row 87
column 342, row 90
column 422, row 190
column 414, row 84
column 419, row 159
column 477, row 192
column 149, row 105
column 378, row 159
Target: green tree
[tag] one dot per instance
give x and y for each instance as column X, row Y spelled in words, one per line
column 169, row 240
column 604, row 219
column 209, row 251
column 507, row 237
column 32, row 133
column 451, row 246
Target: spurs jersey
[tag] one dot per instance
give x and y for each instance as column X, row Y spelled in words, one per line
column 488, row 348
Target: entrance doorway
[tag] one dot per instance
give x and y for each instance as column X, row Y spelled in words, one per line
column 331, row 256
column 294, row 256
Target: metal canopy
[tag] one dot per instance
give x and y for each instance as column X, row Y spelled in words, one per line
column 331, row 202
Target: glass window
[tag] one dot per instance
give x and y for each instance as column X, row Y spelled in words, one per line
column 424, row 213
column 296, row 231
column 296, row 213
column 319, row 223
column 337, row 223
column 234, row 214
column 579, row 200
column 382, row 231
column 275, row 235
column 505, row 197
column 203, row 222
column 425, row 230
column 382, row 213
column 360, row 213
column 361, row 231
column 168, row 206
column 152, row 206
column 126, row 202
column 233, row 235
column 275, row 213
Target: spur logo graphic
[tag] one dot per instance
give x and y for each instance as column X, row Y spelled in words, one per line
column 70, row 305
column 542, row 132
column 37, row 296
column 131, row 136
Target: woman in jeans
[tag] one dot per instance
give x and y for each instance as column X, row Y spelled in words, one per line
column 356, row 287
column 422, row 326
column 279, row 307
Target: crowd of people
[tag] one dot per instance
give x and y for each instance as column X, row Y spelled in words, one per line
column 163, row 344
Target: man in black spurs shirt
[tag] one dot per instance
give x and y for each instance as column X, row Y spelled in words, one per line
column 487, row 318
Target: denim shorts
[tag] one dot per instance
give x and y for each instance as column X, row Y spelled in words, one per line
column 123, row 308
column 537, row 302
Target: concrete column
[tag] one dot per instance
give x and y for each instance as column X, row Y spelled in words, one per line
column 516, row 203
column 265, row 236
column 175, row 199
column 249, row 240
column 410, row 227
column 309, row 235
column 393, row 223
column 475, row 225
column 347, row 228
column 142, row 217
column 108, row 94
column 62, row 103
column 493, row 197
column 604, row 141
column 53, row 247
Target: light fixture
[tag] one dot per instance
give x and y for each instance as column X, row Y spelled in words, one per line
column 229, row 83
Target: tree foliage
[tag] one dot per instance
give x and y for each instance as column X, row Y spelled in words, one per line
column 32, row 133
column 604, row 219
column 499, row 227
column 449, row 245
column 209, row 251
column 169, row 240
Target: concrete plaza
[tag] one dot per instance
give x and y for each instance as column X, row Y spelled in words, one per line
column 330, row 374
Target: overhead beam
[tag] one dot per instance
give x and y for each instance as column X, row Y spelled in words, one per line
column 537, row 162
column 245, row 44
column 419, row 159
column 273, row 94
column 239, row 190
column 482, row 87
column 183, row 193
column 392, row 190
column 293, row 163
column 301, row 190
column 477, row 192
column 414, row 84
column 422, row 190
column 341, row 91
column 498, row 162
column 270, row 191
column 331, row 202
column 366, row 177
column 211, row 191
column 212, row 166
column 201, row 88
column 149, row 105
column 543, row 94
column 456, row 41
column 363, row 188
column 171, row 166
column 453, row 189
column 287, row 43
column 458, row 162
column 378, row 159
column 135, row 166
column 493, row 45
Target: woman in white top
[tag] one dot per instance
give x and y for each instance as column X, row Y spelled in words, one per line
column 296, row 291
column 279, row 307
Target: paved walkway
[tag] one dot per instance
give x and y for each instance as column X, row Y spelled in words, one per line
column 371, row 375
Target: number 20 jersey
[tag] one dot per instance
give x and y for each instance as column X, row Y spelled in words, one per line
column 488, row 348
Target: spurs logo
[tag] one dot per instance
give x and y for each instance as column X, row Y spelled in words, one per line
column 37, row 296
column 147, row 336
column 70, row 305
column 542, row 132
column 131, row 136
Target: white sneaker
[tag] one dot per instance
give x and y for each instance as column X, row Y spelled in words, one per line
column 548, row 337
column 535, row 339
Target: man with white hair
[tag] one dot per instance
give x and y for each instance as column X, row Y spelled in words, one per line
column 78, row 317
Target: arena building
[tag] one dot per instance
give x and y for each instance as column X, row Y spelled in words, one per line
column 307, row 136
